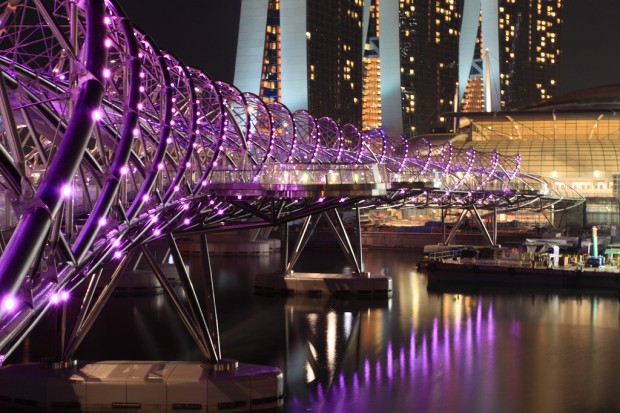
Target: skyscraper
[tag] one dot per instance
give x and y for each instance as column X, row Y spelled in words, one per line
column 511, row 49
column 371, row 76
column 395, row 64
column 429, row 35
column 310, row 54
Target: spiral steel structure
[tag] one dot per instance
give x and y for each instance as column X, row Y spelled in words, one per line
column 108, row 143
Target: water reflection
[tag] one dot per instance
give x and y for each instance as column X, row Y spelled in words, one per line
column 450, row 352
column 415, row 352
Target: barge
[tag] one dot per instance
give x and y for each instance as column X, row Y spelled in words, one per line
column 456, row 276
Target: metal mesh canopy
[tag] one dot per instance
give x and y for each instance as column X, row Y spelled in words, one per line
column 108, row 143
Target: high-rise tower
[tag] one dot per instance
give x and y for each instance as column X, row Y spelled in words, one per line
column 511, row 48
column 395, row 64
column 371, row 78
column 310, row 54
column 429, row 35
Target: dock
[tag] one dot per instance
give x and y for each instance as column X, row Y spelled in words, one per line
column 479, row 275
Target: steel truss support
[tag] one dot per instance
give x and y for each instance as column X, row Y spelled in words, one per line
column 305, row 233
column 176, row 302
column 491, row 238
column 198, row 318
column 359, row 238
column 354, row 258
column 456, row 226
column 210, row 294
column 483, row 228
column 87, row 314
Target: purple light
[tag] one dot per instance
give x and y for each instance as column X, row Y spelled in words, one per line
column 58, row 297
column 186, row 221
column 97, row 114
column 9, row 303
column 118, row 254
column 66, row 191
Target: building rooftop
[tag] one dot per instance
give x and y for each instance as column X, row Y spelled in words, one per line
column 585, row 103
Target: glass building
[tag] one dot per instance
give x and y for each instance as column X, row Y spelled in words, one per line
column 574, row 139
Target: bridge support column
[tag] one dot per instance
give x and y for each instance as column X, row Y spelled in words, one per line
column 491, row 238
column 61, row 327
column 176, row 302
column 455, row 228
column 359, row 238
column 87, row 315
column 443, row 226
column 494, row 226
column 285, row 246
column 354, row 258
column 482, row 227
column 198, row 317
column 307, row 229
column 212, row 322
column 356, row 283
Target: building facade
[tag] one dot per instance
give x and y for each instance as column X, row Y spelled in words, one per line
column 574, row 139
column 509, row 53
column 399, row 65
column 306, row 53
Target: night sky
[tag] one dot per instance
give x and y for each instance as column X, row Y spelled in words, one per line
column 204, row 34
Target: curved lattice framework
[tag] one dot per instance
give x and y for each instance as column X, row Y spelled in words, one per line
column 108, row 143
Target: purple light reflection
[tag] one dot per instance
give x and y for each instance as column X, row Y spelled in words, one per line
column 390, row 361
column 424, row 356
column 412, row 351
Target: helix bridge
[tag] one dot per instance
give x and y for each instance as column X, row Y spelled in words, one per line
column 109, row 144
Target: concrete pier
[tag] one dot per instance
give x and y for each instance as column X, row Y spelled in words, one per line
column 145, row 386
column 324, row 284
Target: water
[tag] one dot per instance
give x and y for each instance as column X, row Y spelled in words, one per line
column 501, row 352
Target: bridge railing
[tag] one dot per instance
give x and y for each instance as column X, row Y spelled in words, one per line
column 324, row 174
column 304, row 174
